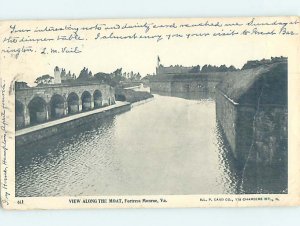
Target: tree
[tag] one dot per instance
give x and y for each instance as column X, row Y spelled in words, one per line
column 223, row 68
column 104, row 78
column 131, row 75
column 232, row 68
column 195, row 69
column 63, row 73
column 205, row 68
column 117, row 75
column 138, row 76
column 44, row 80
column 69, row 74
column 84, row 74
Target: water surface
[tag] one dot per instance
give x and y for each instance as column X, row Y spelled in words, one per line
column 171, row 145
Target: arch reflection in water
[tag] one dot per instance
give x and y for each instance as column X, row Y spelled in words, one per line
column 210, row 96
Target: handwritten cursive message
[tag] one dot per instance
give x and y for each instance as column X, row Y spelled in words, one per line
column 70, row 38
column 4, row 148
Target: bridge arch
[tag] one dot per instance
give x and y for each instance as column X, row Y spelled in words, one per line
column 73, row 103
column 86, row 99
column 38, row 112
column 57, row 106
column 20, row 116
column 97, row 99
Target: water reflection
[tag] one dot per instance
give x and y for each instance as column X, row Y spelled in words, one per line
column 210, row 96
column 172, row 145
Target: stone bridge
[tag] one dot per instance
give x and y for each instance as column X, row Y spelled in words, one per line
column 40, row 104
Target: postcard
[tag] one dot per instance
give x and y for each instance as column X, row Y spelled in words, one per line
column 150, row 113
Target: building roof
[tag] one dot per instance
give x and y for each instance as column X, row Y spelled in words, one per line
column 266, row 84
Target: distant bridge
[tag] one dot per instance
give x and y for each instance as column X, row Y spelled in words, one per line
column 40, row 104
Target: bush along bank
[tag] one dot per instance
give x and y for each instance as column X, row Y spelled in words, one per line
column 131, row 95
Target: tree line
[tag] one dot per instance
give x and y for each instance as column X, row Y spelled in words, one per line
column 114, row 78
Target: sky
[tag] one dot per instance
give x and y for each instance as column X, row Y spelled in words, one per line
column 144, row 60
column 141, row 55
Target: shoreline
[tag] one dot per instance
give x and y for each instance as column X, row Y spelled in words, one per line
column 42, row 131
column 135, row 104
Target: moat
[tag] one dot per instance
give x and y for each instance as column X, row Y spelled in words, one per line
column 171, row 145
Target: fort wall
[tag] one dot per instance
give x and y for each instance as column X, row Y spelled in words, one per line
column 251, row 107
